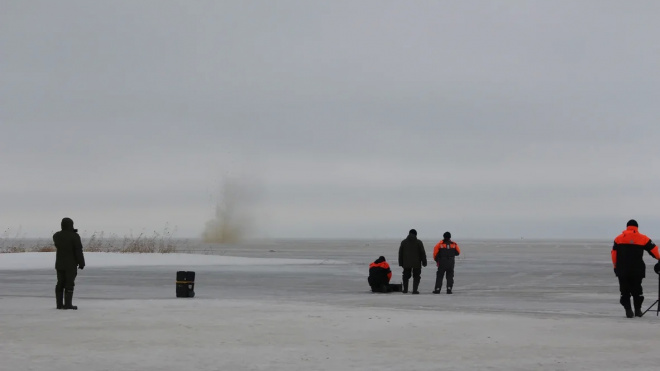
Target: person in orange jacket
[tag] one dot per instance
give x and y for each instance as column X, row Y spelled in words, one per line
column 443, row 254
column 379, row 275
column 629, row 267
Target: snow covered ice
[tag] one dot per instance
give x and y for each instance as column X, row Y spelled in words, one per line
column 306, row 305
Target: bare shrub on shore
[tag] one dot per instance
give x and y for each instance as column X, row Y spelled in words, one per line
column 13, row 249
column 156, row 243
column 162, row 243
column 98, row 242
column 12, row 244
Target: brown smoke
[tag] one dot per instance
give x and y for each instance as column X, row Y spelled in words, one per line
column 234, row 213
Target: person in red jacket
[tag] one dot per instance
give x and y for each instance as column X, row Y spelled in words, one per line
column 629, row 267
column 379, row 275
column 443, row 254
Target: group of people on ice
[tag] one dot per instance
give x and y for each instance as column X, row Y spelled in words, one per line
column 412, row 257
column 627, row 259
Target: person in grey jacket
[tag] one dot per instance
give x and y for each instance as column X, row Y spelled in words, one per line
column 68, row 258
column 412, row 257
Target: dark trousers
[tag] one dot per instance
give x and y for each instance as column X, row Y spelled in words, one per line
column 66, row 278
column 630, row 284
column 449, row 271
column 416, row 273
column 378, row 284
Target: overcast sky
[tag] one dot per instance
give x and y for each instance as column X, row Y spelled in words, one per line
column 336, row 119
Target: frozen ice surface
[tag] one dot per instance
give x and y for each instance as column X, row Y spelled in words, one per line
column 518, row 305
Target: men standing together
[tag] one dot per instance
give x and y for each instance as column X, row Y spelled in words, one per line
column 412, row 258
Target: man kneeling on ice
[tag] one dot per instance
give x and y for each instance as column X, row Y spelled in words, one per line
column 380, row 275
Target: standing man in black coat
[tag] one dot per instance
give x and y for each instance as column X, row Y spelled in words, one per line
column 68, row 258
column 412, row 257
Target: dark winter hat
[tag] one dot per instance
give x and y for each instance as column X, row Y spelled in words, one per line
column 380, row 259
column 446, row 235
column 67, row 224
column 632, row 223
column 412, row 231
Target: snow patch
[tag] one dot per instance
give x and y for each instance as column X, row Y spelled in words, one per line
column 44, row 260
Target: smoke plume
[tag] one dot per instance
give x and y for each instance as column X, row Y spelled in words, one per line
column 234, row 213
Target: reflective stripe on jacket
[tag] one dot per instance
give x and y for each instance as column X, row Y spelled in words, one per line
column 446, row 250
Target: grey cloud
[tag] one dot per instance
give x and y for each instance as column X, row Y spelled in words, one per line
column 157, row 95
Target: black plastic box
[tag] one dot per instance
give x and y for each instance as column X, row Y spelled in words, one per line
column 185, row 284
column 396, row 287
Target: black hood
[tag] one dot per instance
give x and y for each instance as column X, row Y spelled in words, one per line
column 380, row 259
column 67, row 225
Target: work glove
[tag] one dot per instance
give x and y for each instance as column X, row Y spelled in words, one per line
column 80, row 266
column 423, row 264
column 615, row 273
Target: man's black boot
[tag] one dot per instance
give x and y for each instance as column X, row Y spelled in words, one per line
column 625, row 301
column 637, row 301
column 68, row 299
column 415, row 285
column 438, row 283
column 448, row 290
column 405, row 287
column 59, row 297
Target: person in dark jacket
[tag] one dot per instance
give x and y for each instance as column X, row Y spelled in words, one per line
column 379, row 275
column 412, row 257
column 68, row 258
column 627, row 257
column 443, row 254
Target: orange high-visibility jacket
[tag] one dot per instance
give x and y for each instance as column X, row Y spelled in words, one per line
column 628, row 250
column 382, row 268
column 446, row 249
